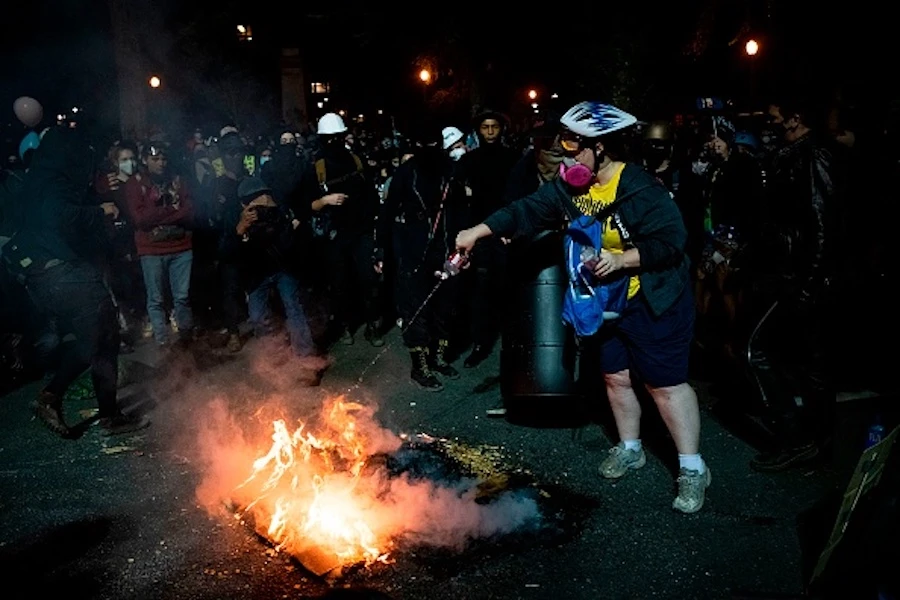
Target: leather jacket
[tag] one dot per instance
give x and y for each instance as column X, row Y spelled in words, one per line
column 799, row 228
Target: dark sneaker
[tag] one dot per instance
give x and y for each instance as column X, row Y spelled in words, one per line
column 692, row 486
column 48, row 409
column 373, row 336
column 478, row 355
column 309, row 377
column 121, row 424
column 234, row 344
column 346, row 338
column 785, row 458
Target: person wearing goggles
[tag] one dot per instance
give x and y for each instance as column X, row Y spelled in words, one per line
column 644, row 239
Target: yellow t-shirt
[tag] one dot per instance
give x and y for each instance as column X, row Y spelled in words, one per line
column 596, row 199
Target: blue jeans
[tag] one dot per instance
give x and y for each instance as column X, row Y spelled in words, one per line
column 176, row 268
column 261, row 312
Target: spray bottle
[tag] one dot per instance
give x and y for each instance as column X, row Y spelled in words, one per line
column 454, row 264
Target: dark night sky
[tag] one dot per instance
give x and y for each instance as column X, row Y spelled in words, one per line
column 63, row 53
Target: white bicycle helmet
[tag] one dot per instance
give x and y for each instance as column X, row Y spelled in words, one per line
column 593, row 119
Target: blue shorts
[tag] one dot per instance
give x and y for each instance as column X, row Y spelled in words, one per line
column 656, row 349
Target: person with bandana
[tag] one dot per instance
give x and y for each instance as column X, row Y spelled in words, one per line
column 644, row 240
column 344, row 207
column 52, row 254
column 424, row 209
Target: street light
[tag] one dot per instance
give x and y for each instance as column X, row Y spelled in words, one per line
column 532, row 94
column 751, row 47
column 155, row 82
column 425, row 75
column 554, row 95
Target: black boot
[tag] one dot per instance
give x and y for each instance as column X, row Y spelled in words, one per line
column 421, row 371
column 479, row 353
column 440, row 364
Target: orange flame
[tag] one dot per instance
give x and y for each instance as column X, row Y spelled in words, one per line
column 312, row 493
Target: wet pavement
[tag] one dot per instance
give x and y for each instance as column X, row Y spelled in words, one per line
column 120, row 518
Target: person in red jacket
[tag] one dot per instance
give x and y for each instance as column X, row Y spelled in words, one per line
column 163, row 216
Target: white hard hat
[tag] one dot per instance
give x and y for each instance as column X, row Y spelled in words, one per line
column 451, row 135
column 331, row 123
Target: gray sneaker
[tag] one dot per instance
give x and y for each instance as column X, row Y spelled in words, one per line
column 621, row 461
column 691, row 490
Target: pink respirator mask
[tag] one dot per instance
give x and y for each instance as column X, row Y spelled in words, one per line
column 575, row 174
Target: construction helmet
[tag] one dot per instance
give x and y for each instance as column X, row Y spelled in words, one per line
column 330, row 124
column 660, row 131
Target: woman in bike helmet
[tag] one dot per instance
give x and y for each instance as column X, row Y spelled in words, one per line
column 644, row 239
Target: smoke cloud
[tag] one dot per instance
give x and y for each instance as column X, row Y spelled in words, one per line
column 311, row 471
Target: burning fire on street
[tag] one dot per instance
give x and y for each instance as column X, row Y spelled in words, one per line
column 339, row 490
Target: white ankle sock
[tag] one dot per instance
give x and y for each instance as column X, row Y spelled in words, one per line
column 691, row 462
column 632, row 445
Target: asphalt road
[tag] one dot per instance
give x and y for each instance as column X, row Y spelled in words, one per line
column 120, row 518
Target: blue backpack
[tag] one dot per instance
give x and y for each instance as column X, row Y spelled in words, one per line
column 589, row 302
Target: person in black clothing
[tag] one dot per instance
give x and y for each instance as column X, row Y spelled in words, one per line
column 425, row 207
column 345, row 206
column 733, row 204
column 227, row 211
column 487, row 170
column 793, row 270
column 262, row 241
column 61, row 227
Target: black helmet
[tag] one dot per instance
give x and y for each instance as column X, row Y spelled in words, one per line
column 658, row 131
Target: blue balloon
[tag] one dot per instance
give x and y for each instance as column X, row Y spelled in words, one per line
column 29, row 142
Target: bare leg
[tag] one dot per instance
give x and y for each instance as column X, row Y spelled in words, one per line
column 625, row 406
column 681, row 414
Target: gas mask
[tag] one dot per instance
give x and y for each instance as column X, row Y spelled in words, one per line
column 575, row 174
column 457, row 153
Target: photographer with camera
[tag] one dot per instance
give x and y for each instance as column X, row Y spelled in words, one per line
column 262, row 242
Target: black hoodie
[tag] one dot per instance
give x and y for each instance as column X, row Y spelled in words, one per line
column 61, row 219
